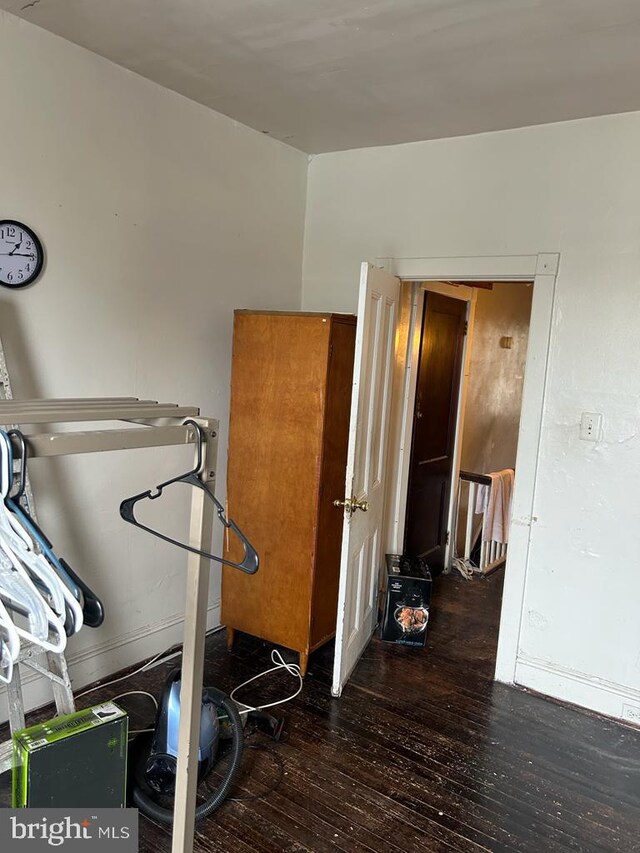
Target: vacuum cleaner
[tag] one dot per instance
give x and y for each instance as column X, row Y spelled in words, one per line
column 154, row 758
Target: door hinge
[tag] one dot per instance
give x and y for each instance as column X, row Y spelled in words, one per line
column 466, row 326
column 446, row 538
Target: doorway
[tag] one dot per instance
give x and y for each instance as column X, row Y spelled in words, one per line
column 542, row 271
column 410, row 272
column 435, row 420
column 465, row 404
column 471, row 362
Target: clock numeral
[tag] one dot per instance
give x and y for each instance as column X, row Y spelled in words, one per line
column 10, row 277
column 11, row 231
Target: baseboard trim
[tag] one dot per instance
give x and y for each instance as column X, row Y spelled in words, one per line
column 101, row 660
column 578, row 688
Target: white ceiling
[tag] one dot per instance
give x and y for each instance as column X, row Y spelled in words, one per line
column 333, row 74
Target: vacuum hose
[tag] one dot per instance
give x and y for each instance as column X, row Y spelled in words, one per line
column 149, row 807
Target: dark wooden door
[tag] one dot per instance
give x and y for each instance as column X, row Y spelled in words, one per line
column 434, row 428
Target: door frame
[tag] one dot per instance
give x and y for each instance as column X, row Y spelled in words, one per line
column 542, row 270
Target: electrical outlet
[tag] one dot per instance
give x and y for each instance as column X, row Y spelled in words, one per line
column 590, row 426
column 631, row 713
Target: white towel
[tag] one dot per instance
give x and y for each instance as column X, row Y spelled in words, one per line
column 495, row 502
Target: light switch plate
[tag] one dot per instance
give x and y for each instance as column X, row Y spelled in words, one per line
column 590, row 426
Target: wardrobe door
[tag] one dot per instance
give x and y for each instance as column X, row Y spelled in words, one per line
column 332, row 483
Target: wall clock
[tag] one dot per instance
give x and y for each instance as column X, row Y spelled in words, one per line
column 21, row 254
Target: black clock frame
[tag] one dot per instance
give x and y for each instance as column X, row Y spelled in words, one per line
column 39, row 248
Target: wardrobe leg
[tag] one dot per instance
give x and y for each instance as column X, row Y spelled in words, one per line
column 231, row 635
column 304, row 663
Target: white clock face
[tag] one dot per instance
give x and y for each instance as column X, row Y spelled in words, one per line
column 21, row 254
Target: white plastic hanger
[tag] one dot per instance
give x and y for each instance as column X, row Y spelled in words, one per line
column 31, row 593
column 35, row 561
column 9, row 647
column 25, row 553
column 24, row 560
column 19, row 597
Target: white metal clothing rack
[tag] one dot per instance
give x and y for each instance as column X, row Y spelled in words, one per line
column 150, row 424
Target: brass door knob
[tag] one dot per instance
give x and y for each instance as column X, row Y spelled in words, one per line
column 352, row 504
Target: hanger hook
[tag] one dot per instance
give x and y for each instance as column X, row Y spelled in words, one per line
column 23, row 453
column 6, row 465
column 250, row 560
column 198, row 432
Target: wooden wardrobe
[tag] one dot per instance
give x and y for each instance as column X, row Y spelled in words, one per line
column 291, row 384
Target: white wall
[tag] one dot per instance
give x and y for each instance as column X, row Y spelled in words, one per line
column 570, row 188
column 159, row 217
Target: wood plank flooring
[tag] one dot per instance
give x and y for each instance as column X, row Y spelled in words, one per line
column 423, row 752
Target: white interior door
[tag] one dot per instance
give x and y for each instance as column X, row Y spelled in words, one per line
column 362, row 542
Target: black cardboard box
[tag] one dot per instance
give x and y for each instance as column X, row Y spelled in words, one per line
column 408, row 598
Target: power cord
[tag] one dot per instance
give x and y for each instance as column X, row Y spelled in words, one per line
column 280, row 664
column 138, row 693
column 465, row 567
column 156, row 660
column 140, row 669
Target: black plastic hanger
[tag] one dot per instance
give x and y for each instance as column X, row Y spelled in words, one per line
column 250, row 561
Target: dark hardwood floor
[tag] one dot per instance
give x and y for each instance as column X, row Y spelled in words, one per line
column 423, row 752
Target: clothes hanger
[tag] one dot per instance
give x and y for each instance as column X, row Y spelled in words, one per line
column 20, row 594
column 9, row 646
column 39, row 571
column 19, row 597
column 19, row 540
column 90, row 605
column 27, row 565
column 55, row 627
column 250, row 561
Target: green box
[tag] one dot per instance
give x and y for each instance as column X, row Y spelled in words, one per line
column 75, row 761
